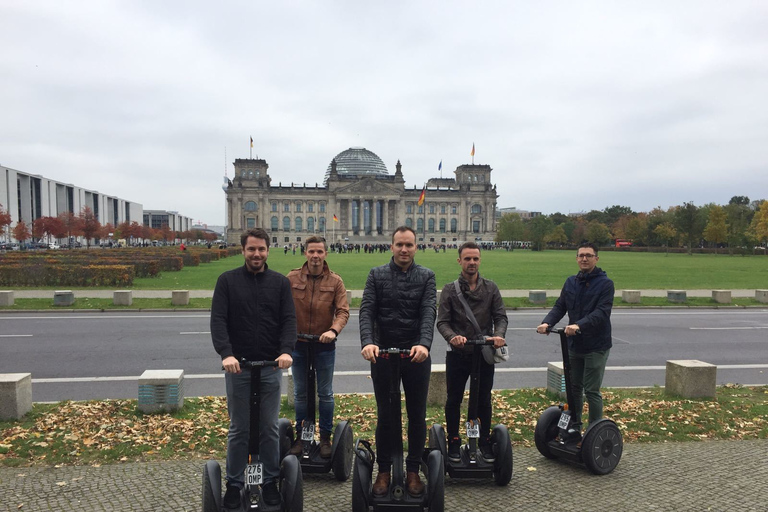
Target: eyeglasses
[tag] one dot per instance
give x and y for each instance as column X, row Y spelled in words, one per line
column 586, row 256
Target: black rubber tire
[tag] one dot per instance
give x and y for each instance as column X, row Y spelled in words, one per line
column 211, row 487
column 437, row 440
column 546, row 430
column 285, row 433
column 502, row 447
column 342, row 459
column 602, row 447
column 436, row 481
column 361, row 479
column 291, row 485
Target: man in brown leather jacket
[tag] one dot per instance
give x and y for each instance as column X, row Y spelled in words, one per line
column 321, row 309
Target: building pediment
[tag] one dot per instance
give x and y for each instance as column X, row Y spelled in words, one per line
column 367, row 186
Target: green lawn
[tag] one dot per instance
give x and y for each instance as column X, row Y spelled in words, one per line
column 523, row 270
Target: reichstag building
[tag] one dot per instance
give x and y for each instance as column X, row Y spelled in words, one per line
column 361, row 202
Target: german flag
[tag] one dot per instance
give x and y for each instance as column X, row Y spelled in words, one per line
column 335, row 218
column 422, row 196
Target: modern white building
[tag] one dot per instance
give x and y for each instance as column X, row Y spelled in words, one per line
column 156, row 219
column 30, row 196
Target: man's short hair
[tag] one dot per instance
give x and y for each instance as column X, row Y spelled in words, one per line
column 468, row 245
column 315, row 239
column 402, row 229
column 588, row 245
column 255, row 233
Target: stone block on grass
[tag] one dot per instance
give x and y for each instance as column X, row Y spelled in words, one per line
column 63, row 298
column 180, row 297
column 721, row 296
column 15, row 395
column 122, row 298
column 690, row 378
column 676, row 296
column 6, row 298
column 631, row 296
column 538, row 297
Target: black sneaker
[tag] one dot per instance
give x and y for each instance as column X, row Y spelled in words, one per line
column 486, row 450
column 270, row 494
column 454, row 449
column 232, row 497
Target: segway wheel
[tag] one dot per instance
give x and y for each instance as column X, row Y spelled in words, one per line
column 502, row 445
column 602, row 447
column 291, row 485
column 362, row 478
column 211, row 487
column 285, row 430
column 436, row 481
column 437, row 439
column 546, row 430
column 342, row 458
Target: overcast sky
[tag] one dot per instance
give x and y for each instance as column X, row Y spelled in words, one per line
column 575, row 105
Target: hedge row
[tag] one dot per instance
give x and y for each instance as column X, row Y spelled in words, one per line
column 41, row 274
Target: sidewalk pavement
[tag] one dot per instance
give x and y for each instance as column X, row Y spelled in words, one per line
column 692, row 476
column 166, row 294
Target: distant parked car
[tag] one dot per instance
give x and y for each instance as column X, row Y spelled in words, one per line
column 53, row 245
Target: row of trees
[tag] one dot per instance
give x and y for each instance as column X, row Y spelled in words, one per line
column 85, row 224
column 740, row 223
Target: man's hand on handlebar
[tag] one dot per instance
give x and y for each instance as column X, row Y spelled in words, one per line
column 458, row 341
column 419, row 353
column 370, row 352
column 572, row 330
column 498, row 341
column 231, row 364
column 284, row 361
column 327, row 337
column 543, row 329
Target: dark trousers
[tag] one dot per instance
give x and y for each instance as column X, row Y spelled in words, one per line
column 415, row 379
column 587, row 372
column 458, row 367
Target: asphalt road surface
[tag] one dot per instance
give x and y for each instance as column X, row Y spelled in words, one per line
column 89, row 355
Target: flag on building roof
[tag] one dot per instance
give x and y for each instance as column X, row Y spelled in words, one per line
column 422, row 196
column 473, row 150
column 251, row 142
column 440, row 166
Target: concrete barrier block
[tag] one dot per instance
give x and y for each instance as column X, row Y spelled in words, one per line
column 161, row 390
column 6, row 298
column 349, row 297
column 122, row 298
column 677, row 296
column 631, row 296
column 538, row 297
column 556, row 378
column 437, row 386
column 63, row 298
column 439, row 294
column 180, row 297
column 721, row 296
column 15, row 395
column 761, row 296
column 690, row 378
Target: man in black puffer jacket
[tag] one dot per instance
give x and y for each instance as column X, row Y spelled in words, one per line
column 587, row 297
column 398, row 310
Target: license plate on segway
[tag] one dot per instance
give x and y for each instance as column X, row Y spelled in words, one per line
column 254, row 474
column 473, row 430
column 308, row 433
column 565, row 418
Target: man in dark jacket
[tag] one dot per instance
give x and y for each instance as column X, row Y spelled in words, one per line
column 587, row 297
column 253, row 317
column 398, row 310
column 484, row 300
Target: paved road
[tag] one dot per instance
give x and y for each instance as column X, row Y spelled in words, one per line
column 697, row 476
column 85, row 355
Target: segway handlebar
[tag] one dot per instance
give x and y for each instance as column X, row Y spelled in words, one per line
column 384, row 353
column 480, row 341
column 244, row 363
column 310, row 337
column 559, row 330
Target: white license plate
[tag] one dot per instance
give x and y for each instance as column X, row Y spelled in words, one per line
column 308, row 433
column 564, row 419
column 473, row 430
column 254, row 474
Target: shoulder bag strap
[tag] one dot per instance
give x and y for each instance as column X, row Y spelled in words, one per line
column 467, row 310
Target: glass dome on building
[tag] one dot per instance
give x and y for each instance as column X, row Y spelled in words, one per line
column 358, row 162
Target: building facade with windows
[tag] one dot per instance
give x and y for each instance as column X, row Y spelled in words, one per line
column 156, row 219
column 28, row 197
column 360, row 202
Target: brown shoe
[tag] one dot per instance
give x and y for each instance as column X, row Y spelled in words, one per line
column 381, row 485
column 325, row 445
column 297, row 447
column 414, row 484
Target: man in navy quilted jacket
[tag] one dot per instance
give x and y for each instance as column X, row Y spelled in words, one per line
column 398, row 310
column 587, row 297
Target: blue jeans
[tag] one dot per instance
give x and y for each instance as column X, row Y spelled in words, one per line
column 238, row 393
column 324, row 364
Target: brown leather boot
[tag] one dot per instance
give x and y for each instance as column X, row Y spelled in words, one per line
column 297, row 447
column 381, row 485
column 414, row 484
column 325, row 445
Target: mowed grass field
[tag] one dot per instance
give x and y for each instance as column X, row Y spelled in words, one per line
column 520, row 269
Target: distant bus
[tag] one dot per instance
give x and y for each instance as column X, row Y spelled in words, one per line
column 620, row 242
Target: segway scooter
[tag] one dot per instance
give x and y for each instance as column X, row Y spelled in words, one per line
column 341, row 449
column 558, row 437
column 397, row 498
column 290, row 483
column 472, row 464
